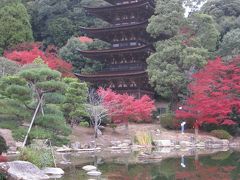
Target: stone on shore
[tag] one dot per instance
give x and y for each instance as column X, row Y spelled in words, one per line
column 163, row 143
column 94, row 173
column 22, row 170
column 89, row 168
column 52, row 171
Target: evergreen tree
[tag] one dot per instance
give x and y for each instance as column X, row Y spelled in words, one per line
column 191, row 41
column 30, row 93
column 167, row 19
column 8, row 67
column 70, row 53
column 75, row 98
column 14, row 24
column 55, row 21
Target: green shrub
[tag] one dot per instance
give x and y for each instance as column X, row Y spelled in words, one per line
column 221, row 134
column 54, row 123
column 143, row 138
column 168, row 121
column 231, row 129
column 19, row 133
column 59, row 141
column 40, row 133
column 39, row 156
column 8, row 124
column 84, row 124
column 113, row 126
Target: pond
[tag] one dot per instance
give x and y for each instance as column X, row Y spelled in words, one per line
column 217, row 166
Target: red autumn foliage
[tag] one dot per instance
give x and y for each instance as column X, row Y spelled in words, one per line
column 124, row 108
column 214, row 94
column 3, row 158
column 28, row 55
column 85, row 39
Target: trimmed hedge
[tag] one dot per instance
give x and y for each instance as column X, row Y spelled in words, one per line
column 168, row 121
column 221, row 134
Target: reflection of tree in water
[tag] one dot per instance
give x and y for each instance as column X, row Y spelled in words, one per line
column 222, row 166
column 114, row 171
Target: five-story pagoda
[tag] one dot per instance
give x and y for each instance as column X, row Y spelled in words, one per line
column 125, row 62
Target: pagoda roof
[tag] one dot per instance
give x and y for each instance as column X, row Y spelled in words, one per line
column 103, row 33
column 105, row 12
column 111, row 75
column 105, row 52
column 122, row 27
column 118, row 1
column 111, row 1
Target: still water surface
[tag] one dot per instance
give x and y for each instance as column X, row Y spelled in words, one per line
column 219, row 166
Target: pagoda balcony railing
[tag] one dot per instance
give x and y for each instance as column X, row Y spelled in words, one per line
column 121, row 22
column 127, row 2
column 131, row 1
column 127, row 43
column 124, row 67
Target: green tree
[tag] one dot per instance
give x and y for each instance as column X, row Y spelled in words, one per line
column 168, row 18
column 70, row 53
column 191, row 42
column 55, row 21
column 230, row 45
column 8, row 67
column 205, row 29
column 193, row 5
column 34, row 92
column 75, row 98
column 170, row 68
column 14, row 24
column 225, row 12
column 15, row 96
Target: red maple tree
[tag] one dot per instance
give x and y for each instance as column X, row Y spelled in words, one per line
column 214, row 94
column 26, row 56
column 124, row 108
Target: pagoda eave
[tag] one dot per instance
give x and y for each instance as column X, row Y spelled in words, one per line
column 106, row 12
column 111, row 1
column 106, row 52
column 120, row 7
column 106, row 76
column 114, row 28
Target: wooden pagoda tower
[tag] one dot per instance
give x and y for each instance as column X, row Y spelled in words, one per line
column 125, row 62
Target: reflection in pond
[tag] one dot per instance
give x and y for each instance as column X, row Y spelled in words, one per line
column 222, row 165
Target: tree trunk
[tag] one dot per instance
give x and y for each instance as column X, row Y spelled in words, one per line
column 174, row 99
column 33, row 118
column 196, row 134
column 95, row 128
column 126, row 127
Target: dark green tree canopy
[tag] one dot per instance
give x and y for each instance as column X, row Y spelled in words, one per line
column 8, row 67
column 205, row 30
column 55, row 21
column 168, row 17
column 14, row 24
column 192, row 40
column 225, row 12
column 230, row 45
column 70, row 52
